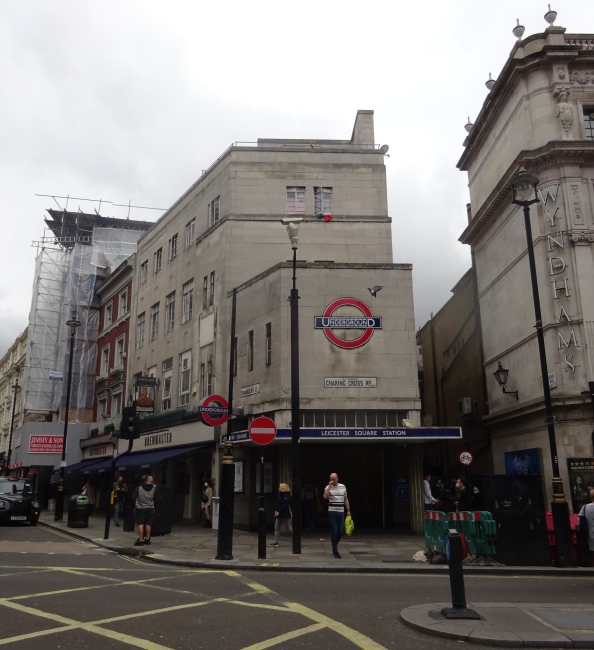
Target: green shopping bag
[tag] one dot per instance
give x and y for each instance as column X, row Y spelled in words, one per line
column 349, row 525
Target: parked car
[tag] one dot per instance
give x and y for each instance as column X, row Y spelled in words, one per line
column 17, row 501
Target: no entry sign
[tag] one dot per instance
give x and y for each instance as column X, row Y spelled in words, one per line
column 214, row 410
column 262, row 430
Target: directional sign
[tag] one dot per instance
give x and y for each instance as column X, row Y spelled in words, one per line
column 214, row 410
column 465, row 458
column 262, row 430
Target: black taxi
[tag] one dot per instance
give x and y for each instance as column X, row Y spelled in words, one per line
column 17, row 501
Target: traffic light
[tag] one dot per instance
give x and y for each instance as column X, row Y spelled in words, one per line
column 130, row 426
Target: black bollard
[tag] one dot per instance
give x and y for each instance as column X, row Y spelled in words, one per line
column 455, row 555
column 261, row 529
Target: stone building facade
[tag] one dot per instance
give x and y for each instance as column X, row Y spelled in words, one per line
column 541, row 111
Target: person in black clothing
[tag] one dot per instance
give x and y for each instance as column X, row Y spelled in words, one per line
column 282, row 512
column 463, row 500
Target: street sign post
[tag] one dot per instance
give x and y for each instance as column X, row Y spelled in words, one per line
column 262, row 430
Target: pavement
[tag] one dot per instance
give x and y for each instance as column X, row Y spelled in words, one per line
column 552, row 625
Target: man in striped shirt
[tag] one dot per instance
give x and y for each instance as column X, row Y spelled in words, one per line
column 336, row 495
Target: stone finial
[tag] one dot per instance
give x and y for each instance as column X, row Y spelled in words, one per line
column 550, row 16
column 519, row 30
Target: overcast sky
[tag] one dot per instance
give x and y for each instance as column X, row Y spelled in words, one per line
column 131, row 100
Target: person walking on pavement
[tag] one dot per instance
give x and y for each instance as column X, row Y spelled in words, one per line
column 51, row 492
column 207, row 495
column 144, row 502
column 428, row 498
column 282, row 512
column 336, row 495
column 119, row 495
column 463, row 499
column 588, row 512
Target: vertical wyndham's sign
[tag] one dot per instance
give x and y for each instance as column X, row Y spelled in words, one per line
column 367, row 322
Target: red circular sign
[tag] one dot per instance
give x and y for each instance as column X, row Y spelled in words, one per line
column 465, row 458
column 262, row 430
column 214, row 410
column 341, row 343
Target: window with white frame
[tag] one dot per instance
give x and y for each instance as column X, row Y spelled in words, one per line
column 205, row 292
column 190, row 233
column 116, row 404
column 268, row 343
column 212, row 285
column 187, row 300
column 185, row 377
column 295, row 200
column 143, row 271
column 119, row 356
column 202, row 381
column 123, row 303
column 322, row 200
column 169, row 311
column 102, row 408
column 154, row 321
column 108, row 319
column 250, row 350
column 158, row 260
column 104, row 371
column 209, row 377
column 173, row 247
column 213, row 211
column 140, row 330
column 167, row 381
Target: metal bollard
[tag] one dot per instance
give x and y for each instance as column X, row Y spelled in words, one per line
column 455, row 554
column 261, row 529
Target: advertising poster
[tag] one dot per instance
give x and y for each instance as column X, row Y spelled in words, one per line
column 523, row 462
column 581, row 481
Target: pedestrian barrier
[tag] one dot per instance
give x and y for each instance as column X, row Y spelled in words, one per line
column 479, row 530
column 436, row 524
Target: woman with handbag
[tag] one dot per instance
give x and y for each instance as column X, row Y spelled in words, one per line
column 207, row 495
column 587, row 519
column 282, row 512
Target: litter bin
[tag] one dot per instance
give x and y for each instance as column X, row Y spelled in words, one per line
column 129, row 526
column 164, row 506
column 215, row 512
column 79, row 509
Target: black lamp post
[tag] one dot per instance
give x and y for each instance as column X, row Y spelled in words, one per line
column 73, row 323
column 16, row 388
column 293, row 230
column 525, row 185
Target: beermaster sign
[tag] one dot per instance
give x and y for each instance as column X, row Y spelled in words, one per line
column 367, row 322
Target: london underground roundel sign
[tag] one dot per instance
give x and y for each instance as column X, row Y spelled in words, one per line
column 367, row 322
column 262, row 430
column 214, row 410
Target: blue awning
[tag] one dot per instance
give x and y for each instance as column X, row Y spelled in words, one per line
column 82, row 466
column 147, row 458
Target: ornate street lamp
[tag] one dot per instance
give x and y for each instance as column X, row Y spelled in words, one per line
column 293, row 231
column 73, row 323
column 16, row 388
column 501, row 376
column 524, row 186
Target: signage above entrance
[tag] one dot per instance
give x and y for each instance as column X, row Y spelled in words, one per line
column 368, row 323
column 408, row 433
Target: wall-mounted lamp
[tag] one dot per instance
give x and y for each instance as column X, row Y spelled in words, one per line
column 501, row 375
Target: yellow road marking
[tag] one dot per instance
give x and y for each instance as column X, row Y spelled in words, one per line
column 269, row 643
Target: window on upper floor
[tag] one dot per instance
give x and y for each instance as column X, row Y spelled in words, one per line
column 212, row 285
column 167, row 382
column 173, row 247
column 202, row 381
column 295, row 200
column 187, row 300
column 116, row 403
column 322, row 201
column 190, row 233
column 158, row 260
column 250, row 358
column 102, row 409
column 104, row 371
column 108, row 319
column 143, row 271
column 209, row 377
column 589, row 122
column 120, row 355
column 205, row 292
column 140, row 330
column 123, row 303
column 169, row 311
column 154, row 321
column 213, row 211
column 268, row 343
column 185, row 377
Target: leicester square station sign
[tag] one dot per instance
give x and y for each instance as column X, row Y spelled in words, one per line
column 367, row 322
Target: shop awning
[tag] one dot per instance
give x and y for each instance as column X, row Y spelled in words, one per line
column 81, row 466
column 147, row 458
